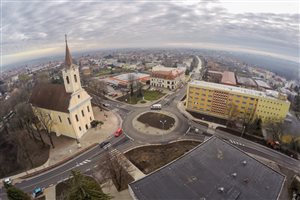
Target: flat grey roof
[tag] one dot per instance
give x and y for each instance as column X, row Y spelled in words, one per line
column 204, row 171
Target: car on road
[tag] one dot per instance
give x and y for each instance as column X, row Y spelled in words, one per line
column 118, row 132
column 38, row 191
column 7, row 181
column 105, row 105
column 105, row 145
column 156, row 107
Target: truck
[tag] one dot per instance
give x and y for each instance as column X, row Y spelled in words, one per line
column 156, row 107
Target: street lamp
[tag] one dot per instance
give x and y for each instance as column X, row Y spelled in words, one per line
column 163, row 126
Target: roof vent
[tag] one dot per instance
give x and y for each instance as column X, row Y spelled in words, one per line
column 221, row 189
column 234, row 175
column 244, row 162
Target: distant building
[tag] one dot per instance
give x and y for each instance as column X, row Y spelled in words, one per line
column 86, row 71
column 167, row 77
column 246, row 82
column 214, row 169
column 224, row 101
column 124, row 80
column 228, row 78
column 262, row 84
column 68, row 106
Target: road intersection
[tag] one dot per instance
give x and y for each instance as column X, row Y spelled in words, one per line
column 87, row 161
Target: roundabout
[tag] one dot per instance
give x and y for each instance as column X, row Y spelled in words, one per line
column 147, row 126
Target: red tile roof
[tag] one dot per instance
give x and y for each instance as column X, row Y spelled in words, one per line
column 228, row 78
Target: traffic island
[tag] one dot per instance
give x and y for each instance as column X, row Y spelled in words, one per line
column 155, row 123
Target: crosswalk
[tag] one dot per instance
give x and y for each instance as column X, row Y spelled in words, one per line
column 115, row 152
column 83, row 162
column 236, row 143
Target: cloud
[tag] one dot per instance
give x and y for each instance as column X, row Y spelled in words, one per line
column 28, row 26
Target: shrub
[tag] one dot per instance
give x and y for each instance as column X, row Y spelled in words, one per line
column 95, row 123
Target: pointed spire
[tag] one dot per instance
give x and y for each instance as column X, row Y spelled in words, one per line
column 68, row 59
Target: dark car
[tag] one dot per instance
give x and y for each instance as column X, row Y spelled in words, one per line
column 37, row 192
column 105, row 144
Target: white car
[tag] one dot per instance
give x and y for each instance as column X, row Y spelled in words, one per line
column 7, row 181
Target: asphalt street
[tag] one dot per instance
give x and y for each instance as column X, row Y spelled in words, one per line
column 85, row 162
column 88, row 160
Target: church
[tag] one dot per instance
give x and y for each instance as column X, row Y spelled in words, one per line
column 67, row 106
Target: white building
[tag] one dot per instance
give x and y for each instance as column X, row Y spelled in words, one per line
column 67, row 106
column 167, row 77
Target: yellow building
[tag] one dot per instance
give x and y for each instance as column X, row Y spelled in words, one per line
column 66, row 108
column 226, row 101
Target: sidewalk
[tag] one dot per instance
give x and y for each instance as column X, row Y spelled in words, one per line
column 211, row 125
column 66, row 147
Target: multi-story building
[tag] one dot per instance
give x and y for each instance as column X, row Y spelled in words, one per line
column 66, row 108
column 167, row 77
column 226, row 101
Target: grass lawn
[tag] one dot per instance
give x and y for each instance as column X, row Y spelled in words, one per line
column 148, row 95
column 152, row 95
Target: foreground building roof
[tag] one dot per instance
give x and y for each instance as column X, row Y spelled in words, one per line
column 51, row 97
column 213, row 170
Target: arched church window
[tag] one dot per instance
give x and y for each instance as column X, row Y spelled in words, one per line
column 75, row 78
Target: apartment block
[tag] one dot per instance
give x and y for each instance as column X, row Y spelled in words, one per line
column 225, row 101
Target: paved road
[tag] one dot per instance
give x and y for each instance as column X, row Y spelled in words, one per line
column 88, row 160
column 85, row 162
column 254, row 148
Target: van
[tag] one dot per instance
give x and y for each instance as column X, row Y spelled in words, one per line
column 156, row 107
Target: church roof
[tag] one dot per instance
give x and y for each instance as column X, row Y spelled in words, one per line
column 68, row 58
column 51, row 97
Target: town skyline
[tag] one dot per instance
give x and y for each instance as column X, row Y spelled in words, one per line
column 35, row 31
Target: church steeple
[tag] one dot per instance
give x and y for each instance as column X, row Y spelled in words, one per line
column 70, row 73
column 68, row 59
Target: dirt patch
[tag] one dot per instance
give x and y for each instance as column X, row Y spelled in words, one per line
column 17, row 156
column 150, row 158
column 155, row 120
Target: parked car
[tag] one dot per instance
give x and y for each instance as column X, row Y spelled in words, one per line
column 105, row 104
column 118, row 132
column 37, row 192
column 105, row 145
column 7, row 181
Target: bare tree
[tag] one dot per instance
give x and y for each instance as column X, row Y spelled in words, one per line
column 131, row 80
column 46, row 122
column 115, row 168
column 276, row 128
column 98, row 87
column 30, row 122
column 232, row 114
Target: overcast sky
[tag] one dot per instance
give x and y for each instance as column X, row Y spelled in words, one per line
column 36, row 28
